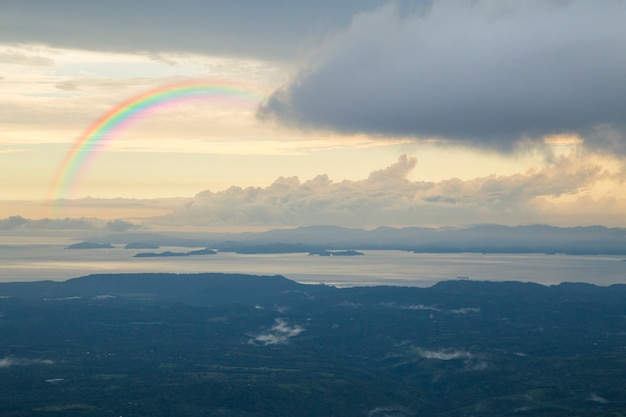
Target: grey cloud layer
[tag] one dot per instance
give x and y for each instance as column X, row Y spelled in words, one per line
column 267, row 29
column 487, row 73
column 387, row 196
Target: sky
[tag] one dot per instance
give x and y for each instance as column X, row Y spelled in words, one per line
column 365, row 112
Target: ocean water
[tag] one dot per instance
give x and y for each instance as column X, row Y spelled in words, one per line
column 48, row 260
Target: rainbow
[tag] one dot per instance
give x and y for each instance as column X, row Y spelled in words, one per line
column 95, row 138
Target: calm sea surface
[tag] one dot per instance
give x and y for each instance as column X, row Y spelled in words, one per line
column 48, row 260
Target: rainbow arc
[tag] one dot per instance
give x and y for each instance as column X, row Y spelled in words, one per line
column 108, row 126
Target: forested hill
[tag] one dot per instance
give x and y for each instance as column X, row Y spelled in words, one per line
column 209, row 289
column 194, row 289
column 246, row 346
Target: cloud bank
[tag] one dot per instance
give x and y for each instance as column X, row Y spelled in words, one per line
column 84, row 224
column 485, row 73
column 388, row 197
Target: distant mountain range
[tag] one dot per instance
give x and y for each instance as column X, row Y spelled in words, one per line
column 477, row 239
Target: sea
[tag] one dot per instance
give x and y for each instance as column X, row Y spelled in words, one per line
column 23, row 260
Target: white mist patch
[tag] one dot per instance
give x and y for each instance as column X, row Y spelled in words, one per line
column 103, row 297
column 390, row 411
column 12, row 361
column 349, row 304
column 54, row 380
column 443, row 354
column 280, row 333
column 281, row 309
column 462, row 310
column 419, row 307
column 63, row 298
column 465, row 310
column 477, row 366
column 596, row 398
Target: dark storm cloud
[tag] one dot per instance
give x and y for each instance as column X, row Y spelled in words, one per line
column 484, row 73
column 262, row 29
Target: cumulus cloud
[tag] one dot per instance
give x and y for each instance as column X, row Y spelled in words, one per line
column 120, row 225
column 278, row 334
column 19, row 222
column 84, row 224
column 485, row 73
column 388, row 197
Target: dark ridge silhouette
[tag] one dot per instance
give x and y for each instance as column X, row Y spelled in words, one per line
column 90, row 245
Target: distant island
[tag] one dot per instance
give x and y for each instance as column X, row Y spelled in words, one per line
column 336, row 253
column 486, row 239
column 90, row 245
column 205, row 251
column 159, row 255
column 166, row 254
